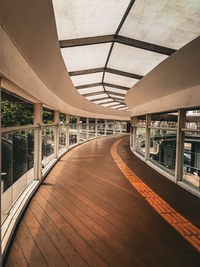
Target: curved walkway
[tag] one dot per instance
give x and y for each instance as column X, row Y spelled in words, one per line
column 87, row 213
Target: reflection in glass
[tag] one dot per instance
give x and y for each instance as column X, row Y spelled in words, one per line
column 83, row 135
column 163, row 148
column 191, row 166
column 140, row 140
column 47, row 144
column 72, row 134
column 17, row 166
column 62, row 137
column 91, row 132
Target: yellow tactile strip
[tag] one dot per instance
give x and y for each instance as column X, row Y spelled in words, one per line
column 190, row 232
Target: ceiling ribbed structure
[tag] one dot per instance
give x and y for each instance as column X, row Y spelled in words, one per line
column 108, row 46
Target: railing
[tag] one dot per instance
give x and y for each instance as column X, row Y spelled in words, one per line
column 169, row 147
column 28, row 152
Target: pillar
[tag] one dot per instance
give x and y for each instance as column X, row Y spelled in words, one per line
column 38, row 141
column 87, row 128
column 78, row 130
column 56, row 134
column 67, row 131
column 147, row 136
column 180, row 145
column 96, row 127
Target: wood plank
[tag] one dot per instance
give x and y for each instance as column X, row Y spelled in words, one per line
column 114, row 246
column 29, row 247
column 47, row 248
column 69, row 232
column 16, row 258
column 85, row 231
column 69, row 253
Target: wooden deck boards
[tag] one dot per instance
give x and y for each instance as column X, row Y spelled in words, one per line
column 87, row 214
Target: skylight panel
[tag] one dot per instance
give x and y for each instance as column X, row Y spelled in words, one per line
column 85, row 57
column 168, row 23
column 134, row 60
column 117, row 96
column 119, row 106
column 87, row 78
column 119, row 80
column 109, row 104
column 92, row 97
column 91, row 90
column 116, row 90
column 103, row 101
column 86, row 18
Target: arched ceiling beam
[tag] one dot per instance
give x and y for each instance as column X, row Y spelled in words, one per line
column 102, row 84
column 96, row 70
column 119, row 39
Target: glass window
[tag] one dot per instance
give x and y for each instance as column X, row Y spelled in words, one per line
column 48, row 116
column 140, row 140
column 47, row 144
column 15, row 111
column 163, row 148
column 17, row 166
column 62, row 117
column 168, row 23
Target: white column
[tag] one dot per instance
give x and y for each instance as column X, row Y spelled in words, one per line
column 56, row 134
column 120, row 127
column 180, row 145
column 67, row 131
column 147, row 136
column 106, row 126
column 96, row 127
column 87, row 128
column 113, row 127
column 0, row 182
column 38, row 141
column 134, row 123
column 78, row 130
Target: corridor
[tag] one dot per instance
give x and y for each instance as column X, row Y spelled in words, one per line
column 86, row 213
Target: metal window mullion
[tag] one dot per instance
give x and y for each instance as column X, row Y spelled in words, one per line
column 0, row 182
column 87, row 128
column 38, row 141
column 67, row 131
column 180, row 145
column 78, row 130
column 147, row 136
column 96, row 127
column 56, row 134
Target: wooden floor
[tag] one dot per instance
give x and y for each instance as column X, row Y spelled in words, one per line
column 87, row 214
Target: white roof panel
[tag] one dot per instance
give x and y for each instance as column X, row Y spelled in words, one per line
column 119, row 106
column 87, row 78
column 134, row 60
column 109, row 104
column 103, row 101
column 85, row 57
column 163, row 22
column 92, row 97
column 119, row 80
column 117, row 96
column 91, row 90
column 86, row 18
column 116, row 90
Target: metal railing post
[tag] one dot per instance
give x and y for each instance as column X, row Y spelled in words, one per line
column 147, row 136
column 180, row 145
column 38, row 141
column 87, row 128
column 78, row 130
column 67, row 131
column 96, row 127
column 56, row 134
